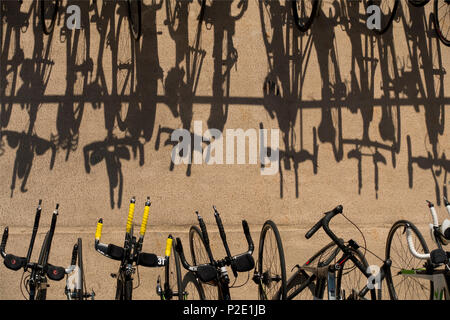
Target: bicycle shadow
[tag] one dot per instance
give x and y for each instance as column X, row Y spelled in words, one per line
column 344, row 97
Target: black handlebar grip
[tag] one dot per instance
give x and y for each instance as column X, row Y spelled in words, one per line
column 248, row 236
column 74, row 254
column 314, row 229
column 204, row 231
column 35, row 230
column 338, row 209
column 220, row 225
column 179, row 246
column 328, row 215
column 179, row 249
column 4, row 238
column 222, row 233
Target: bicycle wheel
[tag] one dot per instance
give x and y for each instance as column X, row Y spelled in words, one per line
column 191, row 288
column 82, row 285
column 41, row 286
column 388, row 12
column 304, row 12
column 124, row 287
column 349, row 279
column 271, row 264
column 399, row 286
column 200, row 256
column 442, row 20
column 49, row 10
column 173, row 273
column 135, row 18
column 300, row 286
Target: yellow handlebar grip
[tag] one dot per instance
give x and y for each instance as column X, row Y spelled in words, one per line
column 98, row 232
column 130, row 215
column 169, row 246
column 144, row 219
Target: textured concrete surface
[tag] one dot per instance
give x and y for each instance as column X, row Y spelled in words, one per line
column 390, row 182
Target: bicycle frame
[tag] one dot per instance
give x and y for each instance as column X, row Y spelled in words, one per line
column 325, row 273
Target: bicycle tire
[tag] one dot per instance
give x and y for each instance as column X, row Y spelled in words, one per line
column 390, row 16
column 418, row 3
column 443, row 35
column 268, row 228
column 120, row 287
column 358, row 281
column 190, row 281
column 393, row 293
column 128, row 289
column 200, row 256
column 83, row 291
column 41, row 288
column 45, row 29
column 296, row 282
column 179, row 280
column 136, row 33
column 305, row 25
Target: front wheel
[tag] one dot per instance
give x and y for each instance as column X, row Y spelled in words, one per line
column 400, row 285
column 173, row 275
column 191, row 288
column 124, row 288
column 200, row 256
column 350, row 279
column 271, row 264
column 442, row 20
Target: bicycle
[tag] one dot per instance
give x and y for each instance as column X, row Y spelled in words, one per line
column 36, row 282
column 214, row 273
column 131, row 256
column 49, row 11
column 411, row 271
column 339, row 268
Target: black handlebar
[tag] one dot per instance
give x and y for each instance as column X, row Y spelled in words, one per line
column 223, row 236
column 248, row 236
column 51, row 233
column 35, row 230
column 324, row 223
column 202, row 224
column 4, row 240
column 74, row 254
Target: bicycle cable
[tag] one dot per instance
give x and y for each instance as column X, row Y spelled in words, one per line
column 362, row 234
column 23, row 283
column 235, row 279
column 20, row 285
column 139, row 278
